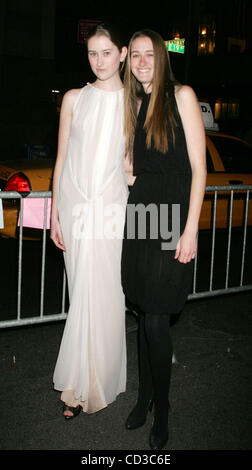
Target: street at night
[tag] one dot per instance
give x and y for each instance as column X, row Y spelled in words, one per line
column 43, row 55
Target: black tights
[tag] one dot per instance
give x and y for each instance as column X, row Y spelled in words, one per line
column 155, row 363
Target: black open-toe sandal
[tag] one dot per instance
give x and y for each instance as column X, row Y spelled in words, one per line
column 75, row 410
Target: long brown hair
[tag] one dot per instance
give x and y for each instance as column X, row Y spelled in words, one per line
column 162, row 85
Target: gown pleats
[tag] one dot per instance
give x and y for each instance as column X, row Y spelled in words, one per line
column 92, row 195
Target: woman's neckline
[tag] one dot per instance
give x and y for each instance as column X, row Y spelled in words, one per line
column 105, row 91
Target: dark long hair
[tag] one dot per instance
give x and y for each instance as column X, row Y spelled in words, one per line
column 162, row 88
column 109, row 30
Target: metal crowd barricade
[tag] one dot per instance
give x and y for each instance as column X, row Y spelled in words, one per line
column 226, row 289
column 42, row 317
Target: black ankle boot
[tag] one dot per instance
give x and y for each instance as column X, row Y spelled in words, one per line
column 158, row 441
column 138, row 416
column 159, row 433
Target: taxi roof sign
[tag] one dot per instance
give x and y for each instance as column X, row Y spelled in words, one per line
column 208, row 118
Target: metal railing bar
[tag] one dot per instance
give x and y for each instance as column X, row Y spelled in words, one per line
column 229, row 237
column 18, row 195
column 38, row 320
column 209, row 188
column 20, row 256
column 244, row 238
column 213, row 241
column 226, row 187
column 33, row 320
column 216, row 292
column 42, row 285
column 195, row 267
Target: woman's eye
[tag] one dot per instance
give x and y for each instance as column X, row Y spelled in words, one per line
column 106, row 53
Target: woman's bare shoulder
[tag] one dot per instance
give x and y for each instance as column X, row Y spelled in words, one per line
column 189, row 109
column 185, row 94
column 72, row 94
column 69, row 99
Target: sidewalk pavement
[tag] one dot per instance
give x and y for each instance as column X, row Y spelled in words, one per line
column 210, row 395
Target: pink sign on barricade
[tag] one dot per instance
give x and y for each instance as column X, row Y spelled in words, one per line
column 33, row 213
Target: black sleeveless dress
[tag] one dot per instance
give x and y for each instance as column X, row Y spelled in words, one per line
column 152, row 280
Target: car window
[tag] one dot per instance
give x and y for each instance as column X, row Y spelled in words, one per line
column 236, row 156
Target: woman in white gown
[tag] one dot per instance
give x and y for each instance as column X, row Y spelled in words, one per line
column 87, row 220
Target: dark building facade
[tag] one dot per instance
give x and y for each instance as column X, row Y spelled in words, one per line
column 217, row 60
column 40, row 52
column 27, row 55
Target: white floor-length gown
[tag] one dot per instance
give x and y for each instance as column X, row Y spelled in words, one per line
column 92, row 195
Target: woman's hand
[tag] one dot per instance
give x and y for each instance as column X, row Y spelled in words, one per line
column 186, row 247
column 56, row 234
column 128, row 168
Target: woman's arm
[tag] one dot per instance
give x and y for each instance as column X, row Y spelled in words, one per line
column 63, row 137
column 192, row 121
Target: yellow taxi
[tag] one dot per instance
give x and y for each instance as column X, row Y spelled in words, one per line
column 229, row 162
column 22, row 176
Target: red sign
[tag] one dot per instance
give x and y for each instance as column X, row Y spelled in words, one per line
column 84, row 26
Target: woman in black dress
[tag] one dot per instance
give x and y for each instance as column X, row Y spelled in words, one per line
column 166, row 138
